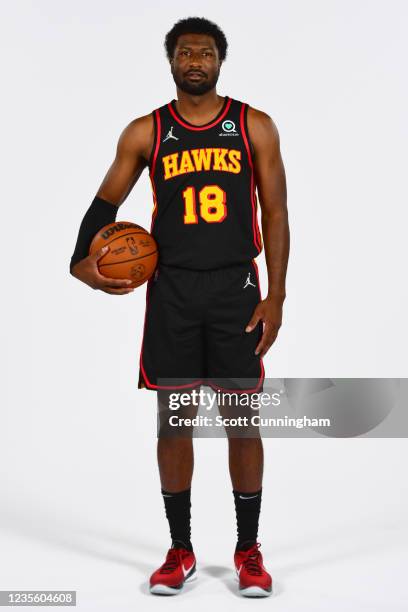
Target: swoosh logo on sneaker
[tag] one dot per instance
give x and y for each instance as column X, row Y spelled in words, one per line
column 186, row 571
column 251, row 497
column 239, row 570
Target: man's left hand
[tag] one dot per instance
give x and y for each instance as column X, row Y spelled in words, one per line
column 269, row 311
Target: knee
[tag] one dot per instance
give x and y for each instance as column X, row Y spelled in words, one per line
column 242, row 444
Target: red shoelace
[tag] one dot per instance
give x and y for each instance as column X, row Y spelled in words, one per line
column 252, row 563
column 172, row 561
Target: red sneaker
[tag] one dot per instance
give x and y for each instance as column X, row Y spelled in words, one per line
column 178, row 568
column 254, row 580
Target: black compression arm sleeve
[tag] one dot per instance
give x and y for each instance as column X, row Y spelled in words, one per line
column 99, row 213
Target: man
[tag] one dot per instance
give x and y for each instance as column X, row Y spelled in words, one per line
column 205, row 320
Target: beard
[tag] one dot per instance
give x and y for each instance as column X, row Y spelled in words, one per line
column 195, row 89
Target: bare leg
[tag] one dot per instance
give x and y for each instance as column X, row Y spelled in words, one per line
column 175, row 453
column 246, row 471
column 176, row 462
column 246, row 463
column 245, row 448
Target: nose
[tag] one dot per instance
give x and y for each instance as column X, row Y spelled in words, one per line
column 195, row 59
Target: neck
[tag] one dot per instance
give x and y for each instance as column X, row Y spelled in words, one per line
column 198, row 107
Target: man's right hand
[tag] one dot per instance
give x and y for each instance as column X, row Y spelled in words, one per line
column 87, row 271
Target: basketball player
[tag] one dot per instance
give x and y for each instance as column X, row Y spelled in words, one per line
column 205, row 319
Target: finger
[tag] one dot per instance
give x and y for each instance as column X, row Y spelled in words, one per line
column 115, row 291
column 100, row 253
column 253, row 322
column 266, row 349
column 268, row 338
column 114, row 282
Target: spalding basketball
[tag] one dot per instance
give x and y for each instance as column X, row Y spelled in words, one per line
column 132, row 252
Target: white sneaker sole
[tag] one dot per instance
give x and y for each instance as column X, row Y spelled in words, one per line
column 163, row 589
column 255, row 591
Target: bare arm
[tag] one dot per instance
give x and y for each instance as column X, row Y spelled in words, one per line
column 132, row 156
column 271, row 186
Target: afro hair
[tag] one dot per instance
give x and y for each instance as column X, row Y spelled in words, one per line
column 195, row 25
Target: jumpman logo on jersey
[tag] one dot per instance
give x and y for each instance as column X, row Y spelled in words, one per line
column 170, row 135
column 248, row 281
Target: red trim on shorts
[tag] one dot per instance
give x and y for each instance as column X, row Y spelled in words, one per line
column 253, row 390
column 255, row 228
column 198, row 128
column 260, row 299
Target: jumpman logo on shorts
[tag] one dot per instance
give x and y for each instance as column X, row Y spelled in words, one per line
column 170, row 135
column 248, row 281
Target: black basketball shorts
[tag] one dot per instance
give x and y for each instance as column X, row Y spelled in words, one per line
column 194, row 329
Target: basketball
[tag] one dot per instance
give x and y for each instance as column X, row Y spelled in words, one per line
column 132, row 254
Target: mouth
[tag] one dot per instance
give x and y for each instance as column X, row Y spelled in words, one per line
column 195, row 76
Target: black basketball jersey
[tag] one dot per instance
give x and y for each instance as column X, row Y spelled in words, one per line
column 205, row 206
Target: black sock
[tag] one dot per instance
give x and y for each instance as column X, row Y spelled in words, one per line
column 247, row 508
column 177, row 507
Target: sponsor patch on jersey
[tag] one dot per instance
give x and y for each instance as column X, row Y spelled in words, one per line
column 228, row 128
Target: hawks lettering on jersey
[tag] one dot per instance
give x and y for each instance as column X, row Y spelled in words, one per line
column 205, row 206
column 199, row 160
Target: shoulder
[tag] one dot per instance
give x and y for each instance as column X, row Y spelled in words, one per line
column 141, row 127
column 137, row 136
column 262, row 127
